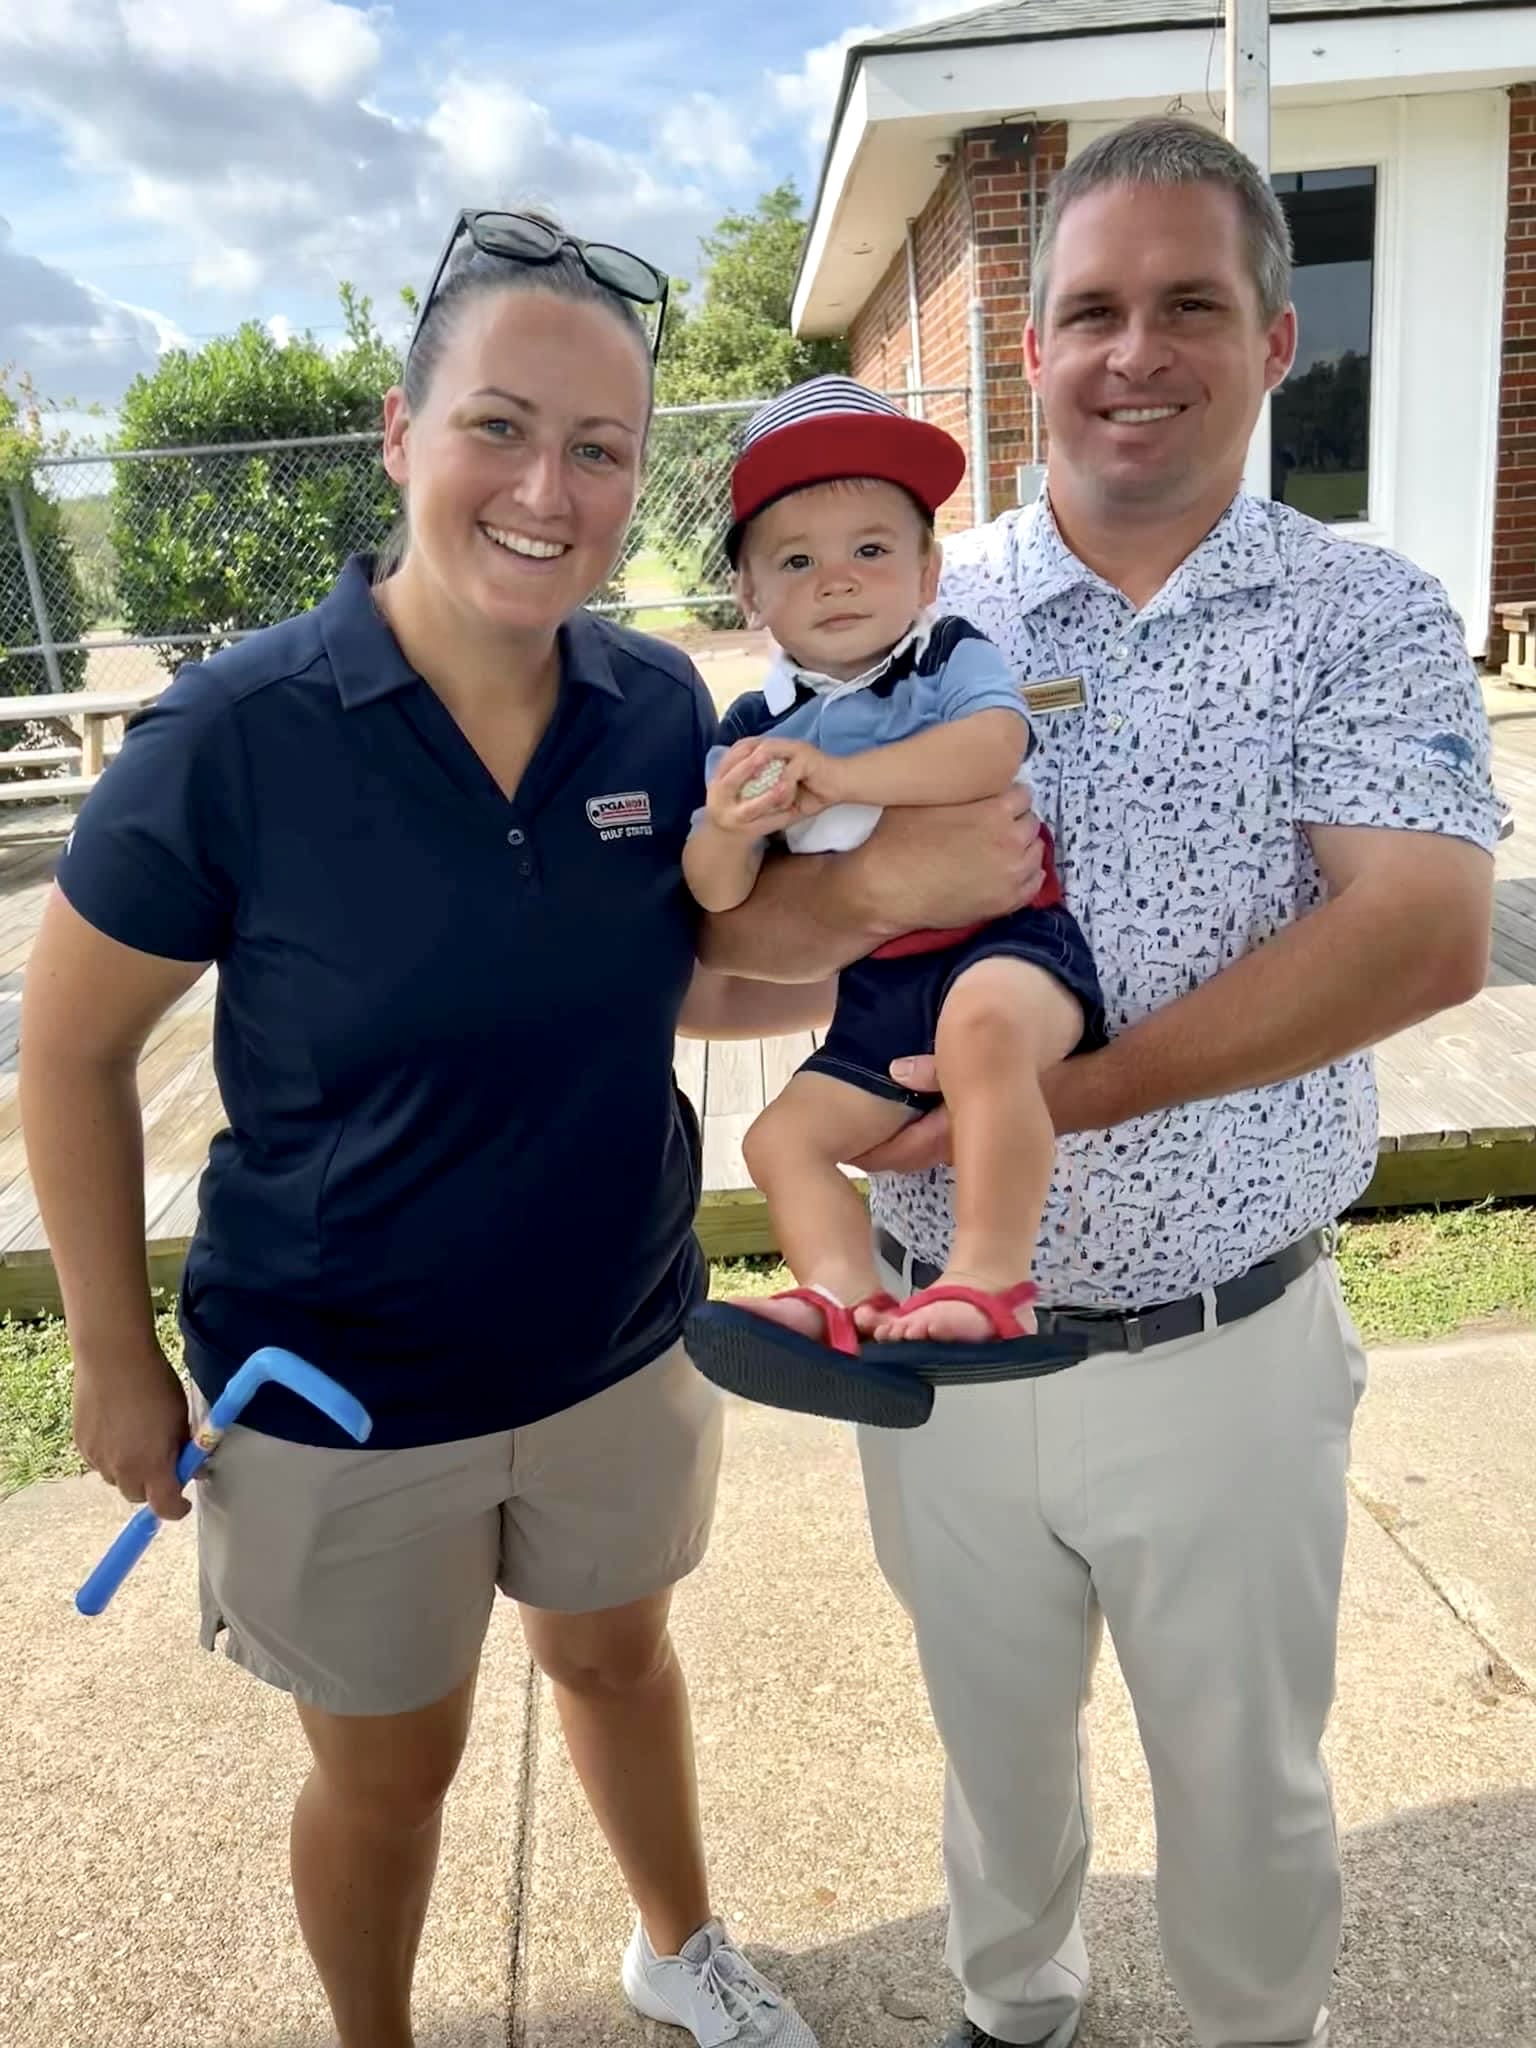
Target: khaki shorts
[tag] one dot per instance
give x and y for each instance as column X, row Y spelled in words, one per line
column 362, row 1581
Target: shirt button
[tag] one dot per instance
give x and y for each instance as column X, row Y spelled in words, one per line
column 514, row 837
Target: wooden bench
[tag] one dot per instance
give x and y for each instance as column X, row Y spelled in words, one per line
column 82, row 718
column 1518, row 622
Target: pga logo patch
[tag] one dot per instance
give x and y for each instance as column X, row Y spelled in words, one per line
column 625, row 815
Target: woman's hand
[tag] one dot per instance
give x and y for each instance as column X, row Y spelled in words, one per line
column 131, row 1422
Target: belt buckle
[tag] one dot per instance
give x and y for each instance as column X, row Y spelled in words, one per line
column 1134, row 1340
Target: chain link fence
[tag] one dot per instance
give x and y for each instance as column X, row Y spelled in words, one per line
column 116, row 568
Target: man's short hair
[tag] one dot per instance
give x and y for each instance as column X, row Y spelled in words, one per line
column 1164, row 150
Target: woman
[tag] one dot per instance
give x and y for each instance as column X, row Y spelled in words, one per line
column 431, row 834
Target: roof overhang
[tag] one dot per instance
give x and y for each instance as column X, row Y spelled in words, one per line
column 901, row 110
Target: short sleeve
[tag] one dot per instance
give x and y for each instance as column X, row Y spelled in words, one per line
column 747, row 719
column 976, row 678
column 1394, row 733
column 706, row 728
column 155, row 858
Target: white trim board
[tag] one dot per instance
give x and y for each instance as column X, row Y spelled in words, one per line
column 904, row 109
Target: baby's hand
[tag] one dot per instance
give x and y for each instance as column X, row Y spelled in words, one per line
column 753, row 791
column 809, row 779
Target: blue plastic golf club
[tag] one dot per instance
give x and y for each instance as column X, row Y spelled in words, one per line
column 280, row 1368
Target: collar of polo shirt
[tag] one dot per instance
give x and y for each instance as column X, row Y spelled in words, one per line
column 1239, row 553
column 368, row 661
column 785, row 677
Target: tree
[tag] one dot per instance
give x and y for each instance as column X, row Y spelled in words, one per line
column 736, row 343
column 21, row 443
column 211, row 543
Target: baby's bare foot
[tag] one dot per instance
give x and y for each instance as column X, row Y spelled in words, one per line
column 804, row 1317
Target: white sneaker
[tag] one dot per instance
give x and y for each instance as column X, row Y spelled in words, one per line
column 713, row 1991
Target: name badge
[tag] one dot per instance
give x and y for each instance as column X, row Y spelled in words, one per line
column 1055, row 693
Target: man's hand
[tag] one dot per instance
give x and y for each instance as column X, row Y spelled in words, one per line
column 935, row 866
column 917, row 1146
column 130, row 1425
column 1074, row 1091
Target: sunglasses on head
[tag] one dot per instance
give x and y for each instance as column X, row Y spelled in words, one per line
column 520, row 238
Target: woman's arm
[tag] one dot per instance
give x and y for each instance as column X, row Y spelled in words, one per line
column 87, row 1007
column 725, row 1006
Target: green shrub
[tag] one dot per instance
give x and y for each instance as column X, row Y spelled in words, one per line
column 209, row 544
column 20, row 446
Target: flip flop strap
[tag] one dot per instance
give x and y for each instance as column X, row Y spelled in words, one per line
column 840, row 1331
column 997, row 1308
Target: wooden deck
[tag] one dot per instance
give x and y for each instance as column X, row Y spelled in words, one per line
column 1458, row 1095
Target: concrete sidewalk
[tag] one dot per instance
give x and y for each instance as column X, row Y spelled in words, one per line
column 146, row 1786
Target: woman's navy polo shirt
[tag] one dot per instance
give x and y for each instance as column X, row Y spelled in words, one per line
column 458, row 1174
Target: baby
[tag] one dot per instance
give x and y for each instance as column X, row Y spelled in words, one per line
column 874, row 701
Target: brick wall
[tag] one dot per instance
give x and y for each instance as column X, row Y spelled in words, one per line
column 998, row 164
column 880, row 344
column 990, row 174
column 1514, row 517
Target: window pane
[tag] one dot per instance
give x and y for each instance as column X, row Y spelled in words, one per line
column 1320, row 425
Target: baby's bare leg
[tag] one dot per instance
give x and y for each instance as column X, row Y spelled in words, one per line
column 1002, row 1025
column 793, row 1153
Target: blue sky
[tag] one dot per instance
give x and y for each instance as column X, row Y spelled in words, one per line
column 171, row 167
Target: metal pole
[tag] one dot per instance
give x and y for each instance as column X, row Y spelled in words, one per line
column 1247, row 126
column 914, row 326
column 35, row 589
column 1034, row 396
column 981, row 464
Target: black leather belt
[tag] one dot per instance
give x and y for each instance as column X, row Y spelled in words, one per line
column 1108, row 1329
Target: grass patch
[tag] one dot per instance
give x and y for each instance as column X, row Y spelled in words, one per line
column 748, row 1276
column 1411, row 1276
column 651, row 579
column 35, row 1375
column 1424, row 1273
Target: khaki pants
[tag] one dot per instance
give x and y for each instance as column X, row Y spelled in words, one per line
column 1192, row 1496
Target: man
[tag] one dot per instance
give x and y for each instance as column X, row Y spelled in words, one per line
column 1265, row 761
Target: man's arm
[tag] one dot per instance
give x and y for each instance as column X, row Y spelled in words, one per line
column 929, row 867
column 1405, row 932
column 723, row 1006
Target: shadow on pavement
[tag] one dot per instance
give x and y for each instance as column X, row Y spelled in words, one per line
column 1439, row 1951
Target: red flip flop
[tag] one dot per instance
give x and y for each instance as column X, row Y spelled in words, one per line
column 997, row 1308
column 840, row 1332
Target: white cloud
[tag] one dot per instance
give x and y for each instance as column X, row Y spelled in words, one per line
column 252, row 133
column 75, row 342
column 313, row 47
column 809, row 95
column 280, row 327
column 702, row 133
